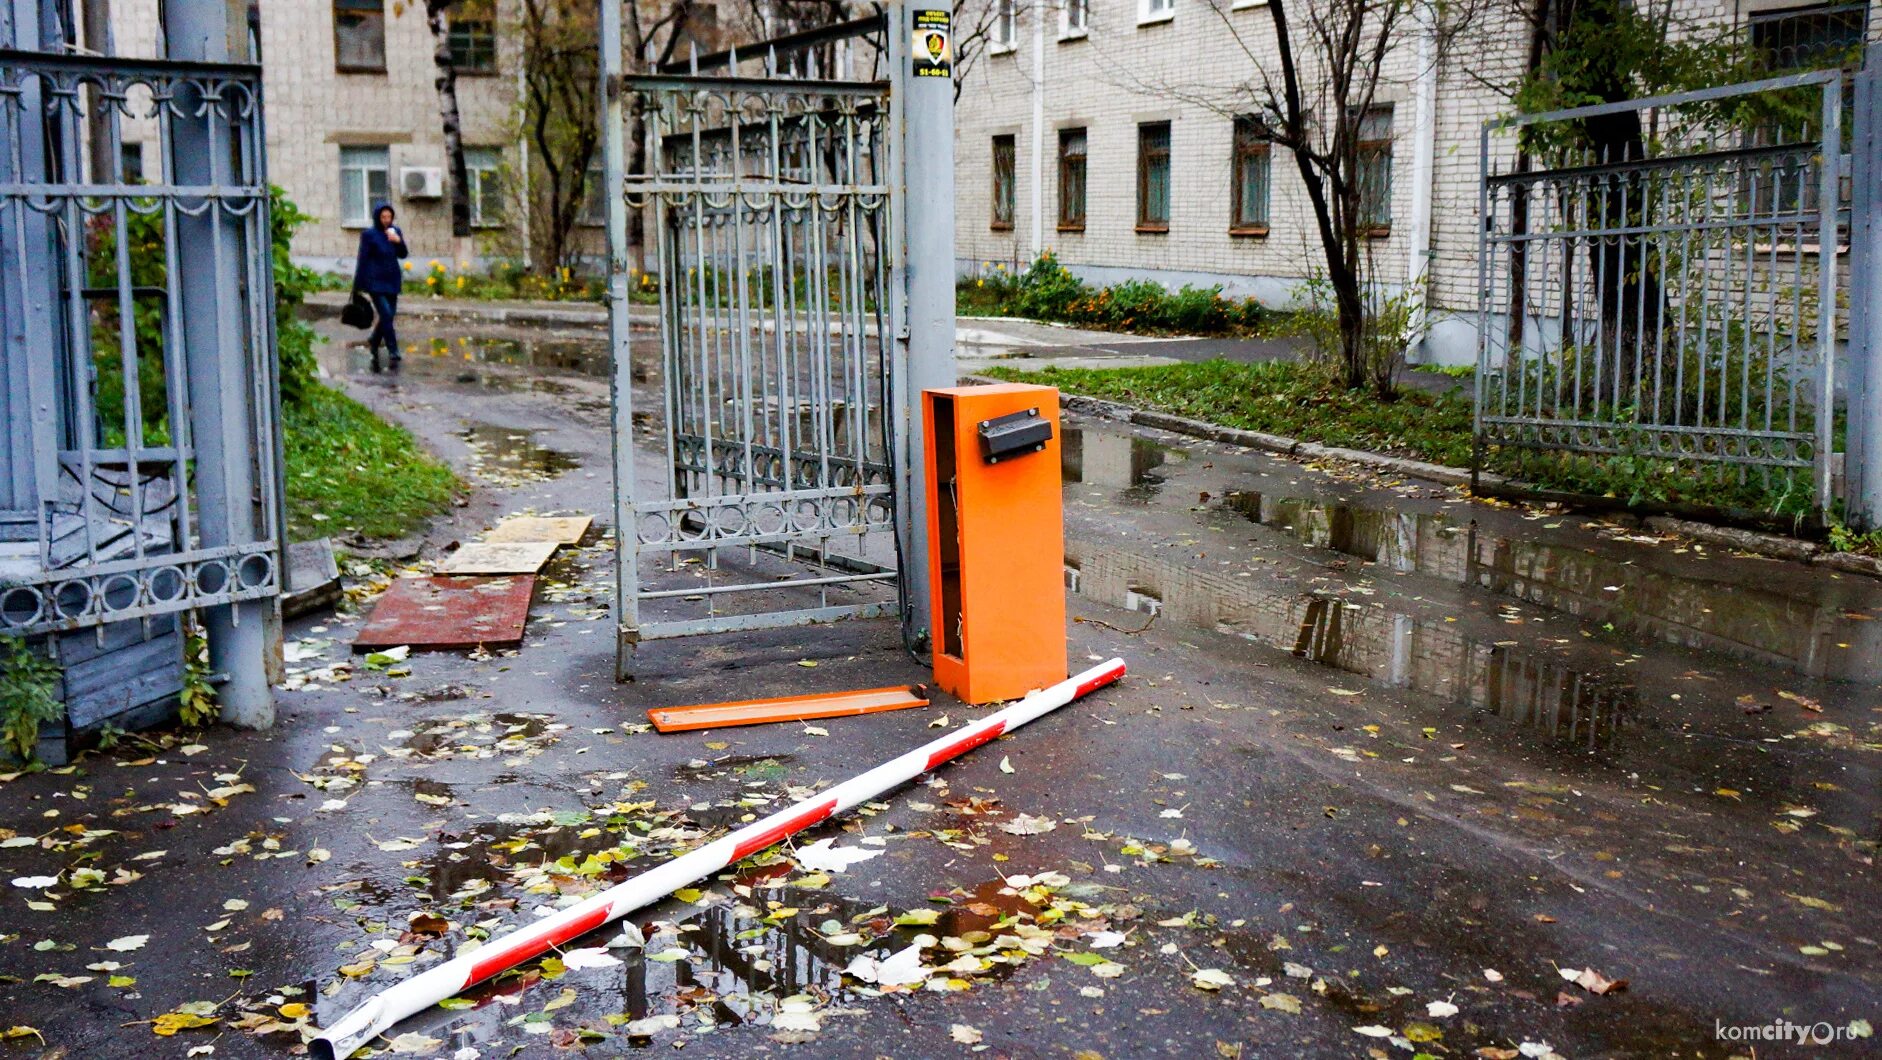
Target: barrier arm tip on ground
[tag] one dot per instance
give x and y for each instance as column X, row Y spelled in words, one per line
column 386, row 1008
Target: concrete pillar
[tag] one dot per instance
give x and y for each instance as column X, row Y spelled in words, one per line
column 243, row 636
column 1863, row 469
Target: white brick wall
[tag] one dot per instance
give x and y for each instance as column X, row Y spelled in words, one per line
column 312, row 110
column 1190, row 71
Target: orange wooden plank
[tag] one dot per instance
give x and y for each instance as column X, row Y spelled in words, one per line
column 787, row 708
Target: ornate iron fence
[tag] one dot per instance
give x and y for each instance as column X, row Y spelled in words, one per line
column 137, row 387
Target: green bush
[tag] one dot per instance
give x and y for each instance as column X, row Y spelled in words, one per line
column 1047, row 290
column 28, row 697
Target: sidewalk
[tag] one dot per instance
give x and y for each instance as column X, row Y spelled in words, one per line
column 981, row 341
column 1388, row 760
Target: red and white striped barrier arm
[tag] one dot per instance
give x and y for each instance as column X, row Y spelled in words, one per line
column 426, row 989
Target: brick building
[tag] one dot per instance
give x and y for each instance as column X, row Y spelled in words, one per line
column 1107, row 132
column 353, row 117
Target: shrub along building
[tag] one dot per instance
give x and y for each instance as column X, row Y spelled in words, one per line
column 1123, row 136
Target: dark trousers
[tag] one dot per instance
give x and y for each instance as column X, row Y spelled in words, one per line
column 386, row 306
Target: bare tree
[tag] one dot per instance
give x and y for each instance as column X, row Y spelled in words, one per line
column 1314, row 99
column 438, row 20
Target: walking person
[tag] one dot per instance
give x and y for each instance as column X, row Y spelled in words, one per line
column 379, row 276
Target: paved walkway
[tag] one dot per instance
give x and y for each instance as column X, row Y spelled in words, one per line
column 1388, row 763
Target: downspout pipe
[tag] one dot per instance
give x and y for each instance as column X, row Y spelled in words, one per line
column 1040, row 9
column 1424, row 157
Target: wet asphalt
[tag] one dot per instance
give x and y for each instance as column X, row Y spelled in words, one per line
column 1383, row 751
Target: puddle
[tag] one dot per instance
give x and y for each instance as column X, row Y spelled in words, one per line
column 1574, row 709
column 481, row 736
column 1829, row 636
column 744, row 956
column 1118, row 460
column 573, row 356
column 510, row 456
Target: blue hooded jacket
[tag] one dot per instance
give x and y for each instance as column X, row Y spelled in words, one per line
column 378, row 269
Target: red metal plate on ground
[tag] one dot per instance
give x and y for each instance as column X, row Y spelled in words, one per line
column 447, row 612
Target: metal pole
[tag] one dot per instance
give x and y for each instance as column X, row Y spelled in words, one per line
column 1040, row 12
column 222, row 432
column 1863, row 465
column 924, row 109
column 621, row 374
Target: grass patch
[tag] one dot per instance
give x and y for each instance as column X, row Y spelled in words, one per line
column 1304, row 401
column 363, row 474
column 1297, row 400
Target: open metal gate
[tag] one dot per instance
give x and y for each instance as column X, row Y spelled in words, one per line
column 761, row 453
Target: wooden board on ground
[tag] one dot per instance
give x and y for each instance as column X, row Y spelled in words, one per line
column 446, row 612
column 787, row 708
column 561, row 529
column 511, row 557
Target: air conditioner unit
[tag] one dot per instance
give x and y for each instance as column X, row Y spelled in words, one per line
column 421, row 182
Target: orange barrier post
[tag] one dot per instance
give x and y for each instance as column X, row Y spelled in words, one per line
column 996, row 533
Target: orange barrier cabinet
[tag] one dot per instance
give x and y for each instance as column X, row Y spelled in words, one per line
column 996, row 535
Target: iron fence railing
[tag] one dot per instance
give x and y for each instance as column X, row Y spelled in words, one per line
column 137, row 388
column 1659, row 280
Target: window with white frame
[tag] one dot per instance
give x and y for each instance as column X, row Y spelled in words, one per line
column 1004, row 32
column 1155, row 11
column 483, row 171
column 365, row 178
column 1074, row 18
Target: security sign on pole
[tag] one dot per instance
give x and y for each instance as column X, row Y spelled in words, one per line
column 933, row 48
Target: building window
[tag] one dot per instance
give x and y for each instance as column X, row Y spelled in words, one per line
column 1003, row 182
column 483, row 170
column 1074, row 18
column 1153, row 177
column 473, row 37
column 1071, row 180
column 359, row 36
column 595, row 198
column 1248, row 189
column 1155, row 11
column 1375, row 171
column 131, row 159
column 365, row 179
column 1809, row 38
column 1004, row 32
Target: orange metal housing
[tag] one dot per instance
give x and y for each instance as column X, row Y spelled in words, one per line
column 996, row 536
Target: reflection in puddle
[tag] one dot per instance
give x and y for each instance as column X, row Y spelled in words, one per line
column 577, row 356
column 513, row 455
column 1575, row 709
column 1118, row 460
column 744, row 957
column 1820, row 635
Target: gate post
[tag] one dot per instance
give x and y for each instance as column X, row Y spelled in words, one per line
column 621, row 374
column 1863, row 463
column 222, row 422
column 923, row 125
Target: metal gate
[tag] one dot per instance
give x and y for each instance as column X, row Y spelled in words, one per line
column 772, row 421
column 140, row 459
column 1671, row 295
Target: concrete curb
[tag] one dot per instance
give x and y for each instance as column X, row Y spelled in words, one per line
column 1776, row 546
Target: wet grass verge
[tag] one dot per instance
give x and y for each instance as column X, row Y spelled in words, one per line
column 1300, row 401
column 1303, row 401
column 348, row 471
